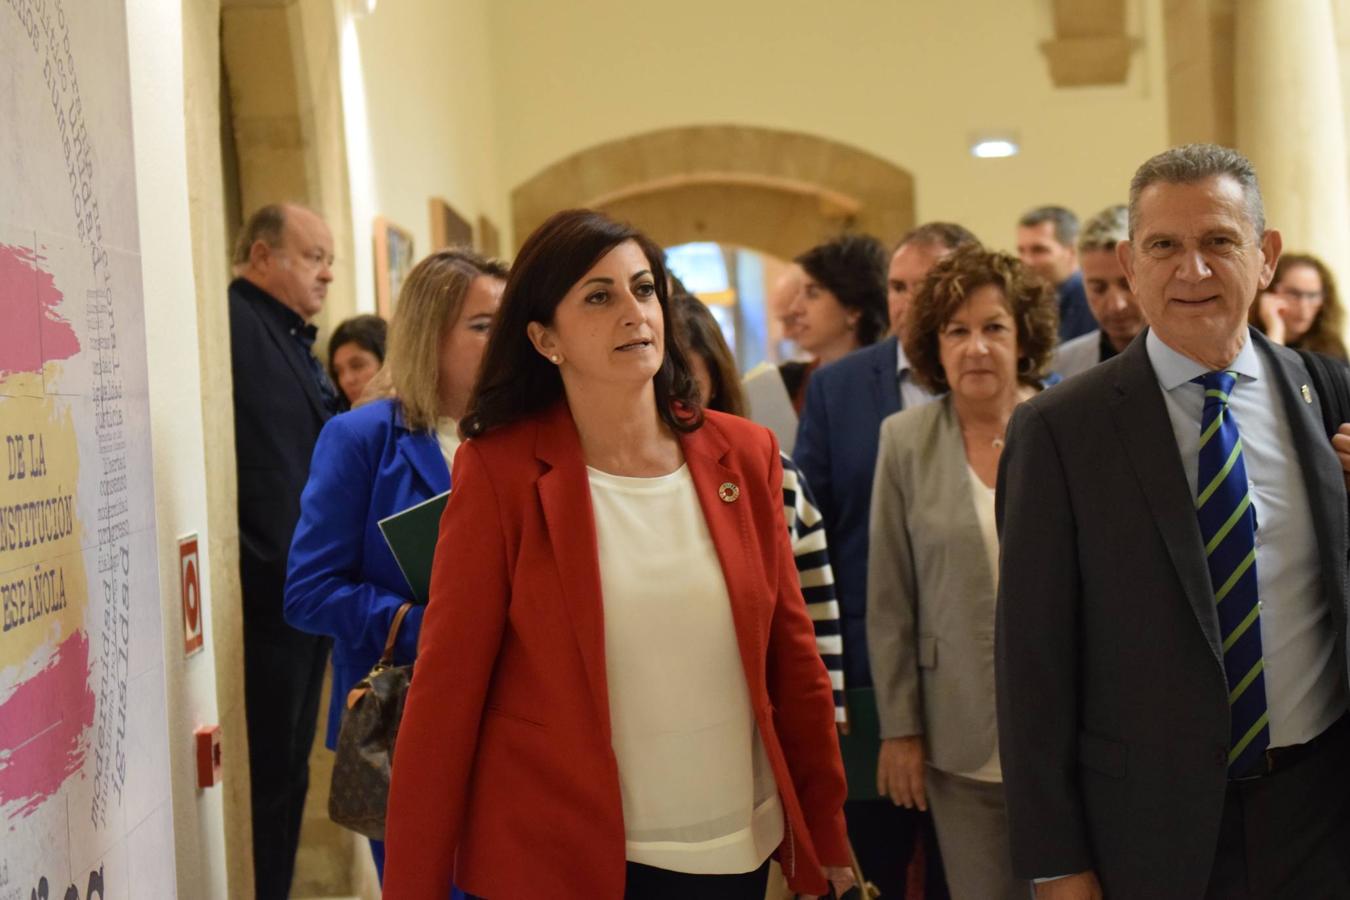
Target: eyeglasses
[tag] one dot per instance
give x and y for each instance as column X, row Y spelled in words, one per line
column 1301, row 296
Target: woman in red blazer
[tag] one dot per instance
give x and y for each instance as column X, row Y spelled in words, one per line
column 617, row 692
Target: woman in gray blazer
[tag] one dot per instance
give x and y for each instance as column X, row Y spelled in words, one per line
column 981, row 333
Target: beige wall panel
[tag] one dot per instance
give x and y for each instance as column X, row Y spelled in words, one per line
column 909, row 83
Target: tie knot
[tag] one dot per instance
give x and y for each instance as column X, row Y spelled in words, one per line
column 1217, row 385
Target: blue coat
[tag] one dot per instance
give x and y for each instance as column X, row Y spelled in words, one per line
column 342, row 579
column 837, row 440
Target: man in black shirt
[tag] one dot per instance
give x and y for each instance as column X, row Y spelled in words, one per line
column 282, row 397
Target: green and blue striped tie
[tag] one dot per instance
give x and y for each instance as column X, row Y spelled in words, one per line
column 1228, row 528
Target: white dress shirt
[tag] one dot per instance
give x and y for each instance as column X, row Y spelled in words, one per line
column 912, row 393
column 1304, row 690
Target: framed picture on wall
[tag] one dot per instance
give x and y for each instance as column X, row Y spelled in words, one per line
column 393, row 260
column 448, row 228
column 489, row 240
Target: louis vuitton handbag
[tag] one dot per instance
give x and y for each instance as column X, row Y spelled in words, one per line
column 365, row 744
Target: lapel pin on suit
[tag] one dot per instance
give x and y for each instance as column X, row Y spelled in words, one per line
column 1307, row 394
column 728, row 492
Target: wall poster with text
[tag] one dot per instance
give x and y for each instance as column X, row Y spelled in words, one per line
column 85, row 806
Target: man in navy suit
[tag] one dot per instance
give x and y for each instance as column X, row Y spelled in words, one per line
column 836, row 448
column 282, row 397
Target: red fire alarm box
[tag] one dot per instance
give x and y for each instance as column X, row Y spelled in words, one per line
column 208, row 755
column 189, row 569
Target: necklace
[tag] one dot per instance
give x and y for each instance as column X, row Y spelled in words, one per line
column 995, row 441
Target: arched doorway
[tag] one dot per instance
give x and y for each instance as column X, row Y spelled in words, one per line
column 774, row 191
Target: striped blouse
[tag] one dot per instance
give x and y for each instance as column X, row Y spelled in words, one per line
column 806, row 528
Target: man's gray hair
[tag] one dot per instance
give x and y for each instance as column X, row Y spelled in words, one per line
column 1197, row 162
column 266, row 225
column 1066, row 223
column 1106, row 229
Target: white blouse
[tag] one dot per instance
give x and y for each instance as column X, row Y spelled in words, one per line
column 992, row 770
column 447, row 435
column 699, row 794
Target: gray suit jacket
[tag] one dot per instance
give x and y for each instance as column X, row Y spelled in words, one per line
column 930, row 592
column 1112, row 705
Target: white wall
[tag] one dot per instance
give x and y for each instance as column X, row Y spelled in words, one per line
column 908, row 81
column 418, row 100
column 155, row 37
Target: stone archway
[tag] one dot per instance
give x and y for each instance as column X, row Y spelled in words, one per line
column 778, row 192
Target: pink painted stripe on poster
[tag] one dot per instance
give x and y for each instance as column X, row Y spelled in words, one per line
column 32, row 332
column 42, row 728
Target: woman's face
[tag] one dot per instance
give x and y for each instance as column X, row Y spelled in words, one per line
column 1301, row 286
column 825, row 327
column 354, row 366
column 978, row 346
column 463, row 342
column 608, row 327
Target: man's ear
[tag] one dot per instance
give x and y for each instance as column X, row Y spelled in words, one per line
column 1125, row 256
column 543, row 339
column 259, row 254
column 1272, row 244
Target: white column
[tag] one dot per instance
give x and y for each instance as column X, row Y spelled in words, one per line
column 1291, row 123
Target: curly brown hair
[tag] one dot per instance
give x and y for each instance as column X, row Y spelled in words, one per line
column 1029, row 299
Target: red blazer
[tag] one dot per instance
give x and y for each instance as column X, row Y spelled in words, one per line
column 504, row 778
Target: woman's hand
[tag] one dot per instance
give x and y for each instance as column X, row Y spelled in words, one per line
column 1340, row 442
column 840, row 877
column 900, row 772
column 1270, row 308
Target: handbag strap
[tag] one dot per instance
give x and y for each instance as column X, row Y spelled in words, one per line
column 387, row 657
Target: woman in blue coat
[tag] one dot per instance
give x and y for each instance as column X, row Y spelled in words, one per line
column 391, row 452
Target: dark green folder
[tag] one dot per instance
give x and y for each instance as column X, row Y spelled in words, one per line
column 411, row 535
column 860, row 746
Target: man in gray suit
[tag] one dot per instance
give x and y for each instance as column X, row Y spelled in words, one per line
column 1171, row 642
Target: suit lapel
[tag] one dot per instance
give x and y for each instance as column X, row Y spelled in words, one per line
column 565, row 495
column 730, row 526
column 1145, row 431
column 1321, row 472
column 951, row 470
column 423, row 453
column 885, row 378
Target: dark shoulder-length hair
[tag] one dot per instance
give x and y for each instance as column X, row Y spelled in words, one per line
column 1029, row 300
column 699, row 332
column 853, row 268
column 515, row 381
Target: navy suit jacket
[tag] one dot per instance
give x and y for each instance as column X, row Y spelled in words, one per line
column 278, row 413
column 342, row 579
column 837, row 440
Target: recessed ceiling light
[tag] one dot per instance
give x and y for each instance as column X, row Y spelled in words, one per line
column 994, row 148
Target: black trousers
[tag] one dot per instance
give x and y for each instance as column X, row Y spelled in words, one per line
column 883, row 836
column 1287, row 834
column 283, row 678
column 648, row 883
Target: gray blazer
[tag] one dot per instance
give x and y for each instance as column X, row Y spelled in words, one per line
column 930, row 592
column 1112, row 705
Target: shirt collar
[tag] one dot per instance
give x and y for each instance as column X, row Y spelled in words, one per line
column 280, row 312
column 901, row 361
column 1173, row 369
